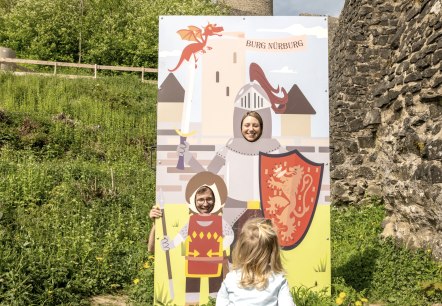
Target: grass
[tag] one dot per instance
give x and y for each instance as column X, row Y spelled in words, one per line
column 363, row 265
column 76, row 186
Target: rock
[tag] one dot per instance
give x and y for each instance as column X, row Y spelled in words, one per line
column 339, row 173
column 372, row 117
column 388, row 230
column 373, row 190
column 434, row 149
column 430, row 97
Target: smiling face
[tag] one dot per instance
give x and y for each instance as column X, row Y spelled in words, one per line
column 251, row 128
column 204, row 200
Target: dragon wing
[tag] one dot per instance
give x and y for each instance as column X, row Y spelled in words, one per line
column 192, row 33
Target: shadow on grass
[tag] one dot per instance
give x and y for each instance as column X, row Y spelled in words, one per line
column 359, row 269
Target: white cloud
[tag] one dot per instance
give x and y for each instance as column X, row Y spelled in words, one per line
column 169, row 53
column 286, row 70
column 299, row 29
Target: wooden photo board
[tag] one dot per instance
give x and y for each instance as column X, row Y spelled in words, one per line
column 212, row 71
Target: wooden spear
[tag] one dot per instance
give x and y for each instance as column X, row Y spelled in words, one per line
column 163, row 221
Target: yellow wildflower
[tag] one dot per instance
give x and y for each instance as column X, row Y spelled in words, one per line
column 358, row 303
column 151, row 257
column 339, row 301
column 99, row 258
column 364, row 300
column 342, row 295
column 136, row 281
column 146, row 265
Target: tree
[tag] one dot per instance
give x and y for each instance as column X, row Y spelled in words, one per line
column 110, row 32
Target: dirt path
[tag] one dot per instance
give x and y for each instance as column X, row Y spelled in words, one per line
column 109, row 300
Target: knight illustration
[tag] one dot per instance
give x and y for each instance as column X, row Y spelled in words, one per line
column 240, row 156
column 206, row 236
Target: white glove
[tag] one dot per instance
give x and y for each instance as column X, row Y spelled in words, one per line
column 183, row 150
column 167, row 244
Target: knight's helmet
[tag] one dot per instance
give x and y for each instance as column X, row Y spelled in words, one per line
column 252, row 97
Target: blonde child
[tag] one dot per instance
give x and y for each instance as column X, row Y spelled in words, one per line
column 257, row 277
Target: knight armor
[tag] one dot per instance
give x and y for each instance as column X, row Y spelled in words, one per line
column 244, row 155
column 204, row 246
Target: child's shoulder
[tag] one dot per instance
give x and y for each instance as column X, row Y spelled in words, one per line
column 231, row 278
column 233, row 273
column 278, row 278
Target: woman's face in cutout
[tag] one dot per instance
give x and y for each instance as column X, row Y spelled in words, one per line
column 251, row 129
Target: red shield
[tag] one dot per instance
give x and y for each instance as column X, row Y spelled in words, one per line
column 290, row 186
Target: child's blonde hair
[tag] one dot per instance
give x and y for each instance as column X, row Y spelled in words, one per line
column 257, row 253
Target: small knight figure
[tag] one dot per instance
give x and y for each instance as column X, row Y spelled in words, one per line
column 206, row 236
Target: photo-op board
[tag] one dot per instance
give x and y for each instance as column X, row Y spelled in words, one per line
column 212, row 71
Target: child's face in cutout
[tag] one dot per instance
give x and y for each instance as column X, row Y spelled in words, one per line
column 205, row 202
column 251, row 129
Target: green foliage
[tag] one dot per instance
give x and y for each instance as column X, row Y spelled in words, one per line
column 98, row 120
column 141, row 290
column 106, row 32
column 75, row 186
column 432, row 288
column 363, row 265
column 43, row 29
column 347, row 295
column 303, row 296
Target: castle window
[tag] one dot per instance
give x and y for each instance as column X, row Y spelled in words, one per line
column 234, row 57
column 254, row 100
column 227, row 91
column 217, row 77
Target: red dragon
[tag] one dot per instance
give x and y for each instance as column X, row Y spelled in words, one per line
column 200, row 37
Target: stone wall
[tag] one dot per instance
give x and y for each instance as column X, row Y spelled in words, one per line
column 250, row 7
column 386, row 114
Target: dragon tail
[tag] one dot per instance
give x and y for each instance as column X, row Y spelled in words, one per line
column 178, row 65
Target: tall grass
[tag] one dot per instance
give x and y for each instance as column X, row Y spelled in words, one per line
column 75, row 186
column 108, row 118
column 366, row 266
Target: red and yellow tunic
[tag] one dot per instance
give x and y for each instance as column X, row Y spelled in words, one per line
column 204, row 246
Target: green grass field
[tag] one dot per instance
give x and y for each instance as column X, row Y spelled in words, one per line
column 76, row 186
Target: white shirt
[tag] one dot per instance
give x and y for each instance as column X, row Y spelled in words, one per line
column 276, row 294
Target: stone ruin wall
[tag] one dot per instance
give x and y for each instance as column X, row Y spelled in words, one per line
column 386, row 114
column 249, row 7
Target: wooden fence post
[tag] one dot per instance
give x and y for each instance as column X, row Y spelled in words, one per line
column 5, row 61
